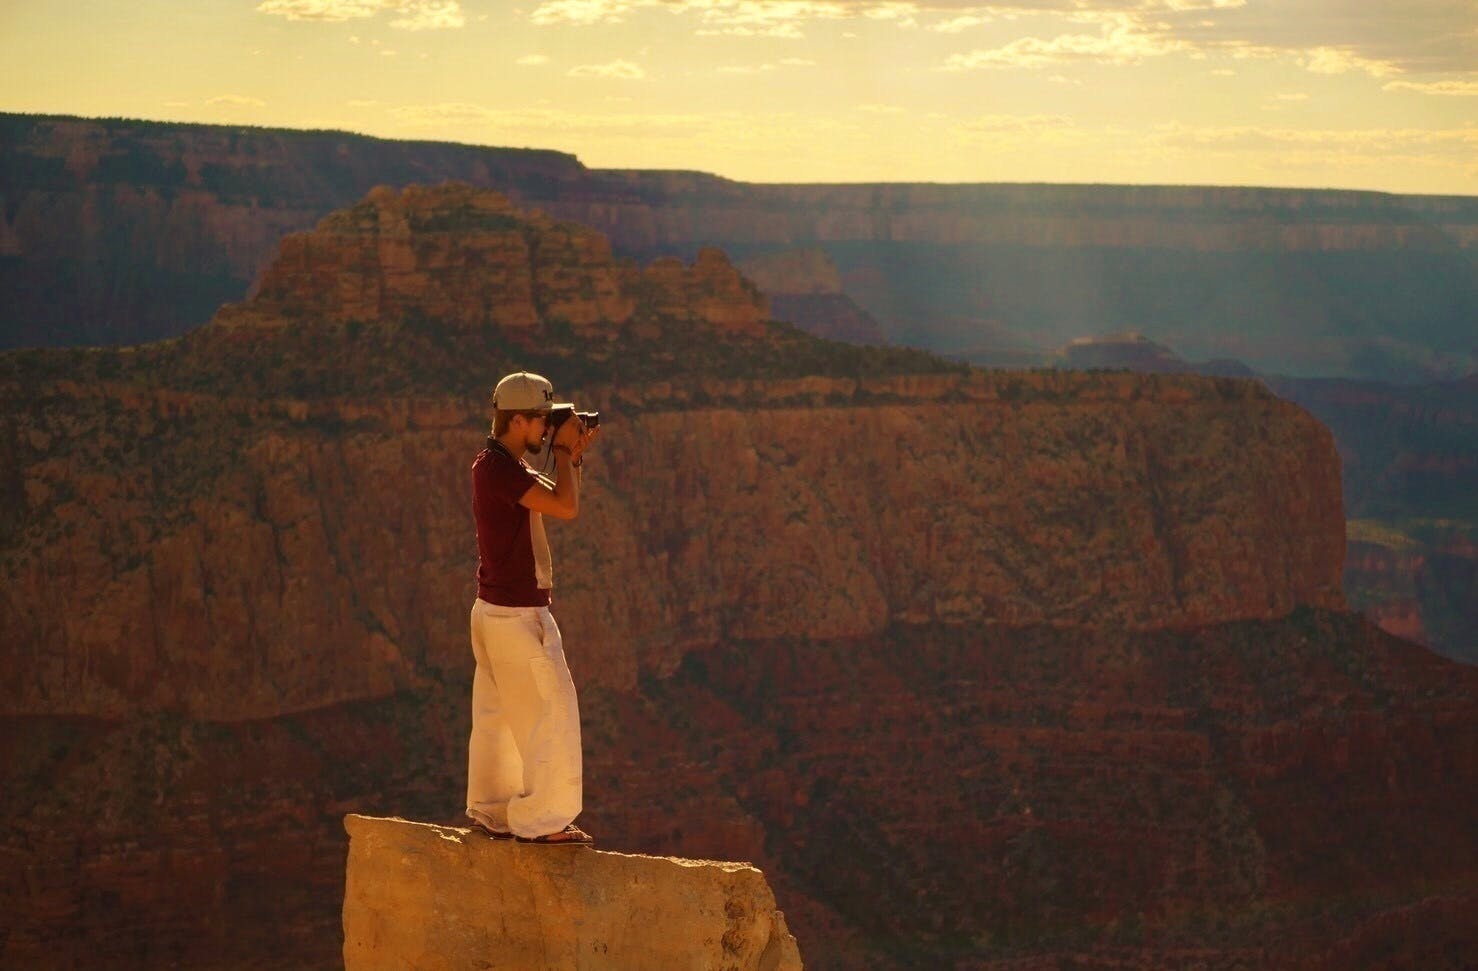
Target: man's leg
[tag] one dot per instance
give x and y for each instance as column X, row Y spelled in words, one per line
column 540, row 706
column 494, row 766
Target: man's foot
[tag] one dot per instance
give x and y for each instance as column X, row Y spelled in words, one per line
column 496, row 834
column 571, row 835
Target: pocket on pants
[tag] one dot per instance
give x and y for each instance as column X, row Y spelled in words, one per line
column 509, row 621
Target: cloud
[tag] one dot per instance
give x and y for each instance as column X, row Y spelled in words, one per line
column 429, row 15
column 876, row 109
column 759, row 15
column 361, row 103
column 1119, row 43
column 1292, row 96
column 1333, row 60
column 236, row 101
column 738, row 18
column 767, row 66
column 955, row 25
column 320, row 9
column 582, row 12
column 408, row 14
column 1380, row 38
column 1458, row 88
column 619, row 70
column 900, row 13
column 1315, row 60
column 785, row 31
column 532, row 60
column 1408, row 36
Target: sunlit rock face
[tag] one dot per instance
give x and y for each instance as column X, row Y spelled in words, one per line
column 468, row 259
column 434, row 898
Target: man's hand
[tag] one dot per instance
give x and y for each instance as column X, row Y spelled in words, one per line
column 562, row 501
column 574, row 436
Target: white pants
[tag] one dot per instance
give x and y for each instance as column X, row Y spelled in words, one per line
column 523, row 758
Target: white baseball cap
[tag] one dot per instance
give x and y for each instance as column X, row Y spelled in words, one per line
column 524, row 391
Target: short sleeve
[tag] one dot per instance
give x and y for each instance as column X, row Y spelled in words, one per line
column 507, row 481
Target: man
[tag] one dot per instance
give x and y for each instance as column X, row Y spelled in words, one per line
column 523, row 759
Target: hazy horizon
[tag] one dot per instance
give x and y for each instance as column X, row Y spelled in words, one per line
column 1366, row 95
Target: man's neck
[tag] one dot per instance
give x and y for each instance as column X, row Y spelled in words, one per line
column 513, row 443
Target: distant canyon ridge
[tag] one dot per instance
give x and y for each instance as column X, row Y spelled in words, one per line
column 116, row 232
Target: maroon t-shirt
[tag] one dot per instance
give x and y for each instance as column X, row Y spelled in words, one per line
column 506, row 531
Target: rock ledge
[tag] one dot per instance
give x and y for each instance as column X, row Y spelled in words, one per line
column 425, row 896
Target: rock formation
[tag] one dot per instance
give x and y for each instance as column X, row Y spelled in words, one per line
column 468, row 259
column 434, row 897
column 805, row 288
column 982, row 669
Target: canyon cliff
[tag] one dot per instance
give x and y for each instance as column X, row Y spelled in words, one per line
column 982, row 668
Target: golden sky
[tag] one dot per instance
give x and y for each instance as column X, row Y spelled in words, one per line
column 1370, row 94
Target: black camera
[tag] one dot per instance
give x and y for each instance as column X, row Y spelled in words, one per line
column 560, row 413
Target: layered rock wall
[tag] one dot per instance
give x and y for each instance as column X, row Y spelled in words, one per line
column 298, row 568
column 432, row 897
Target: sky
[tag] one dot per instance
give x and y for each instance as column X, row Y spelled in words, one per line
column 1363, row 94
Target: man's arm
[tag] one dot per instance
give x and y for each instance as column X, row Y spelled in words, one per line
column 562, row 501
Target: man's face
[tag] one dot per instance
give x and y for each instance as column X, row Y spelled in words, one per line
column 536, row 427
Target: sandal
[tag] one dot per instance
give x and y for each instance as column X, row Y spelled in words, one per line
column 571, row 834
column 496, row 834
